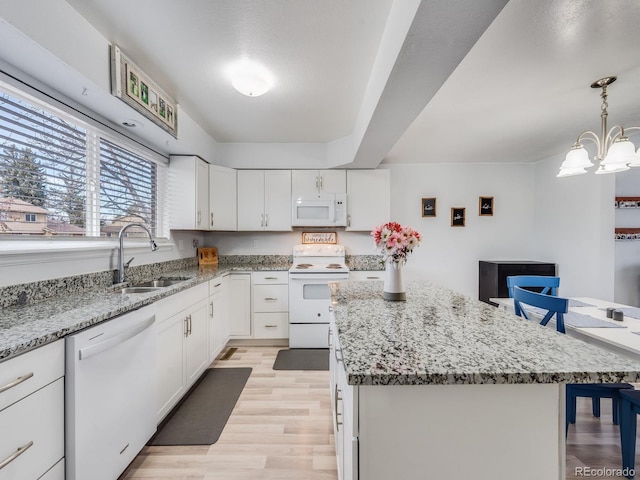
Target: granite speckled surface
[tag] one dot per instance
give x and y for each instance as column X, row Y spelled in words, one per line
column 27, row 326
column 439, row 336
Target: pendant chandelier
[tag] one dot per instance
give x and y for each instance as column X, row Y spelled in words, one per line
column 615, row 152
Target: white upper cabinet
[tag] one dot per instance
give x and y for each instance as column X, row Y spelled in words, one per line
column 188, row 193
column 314, row 182
column 222, row 198
column 368, row 199
column 264, row 200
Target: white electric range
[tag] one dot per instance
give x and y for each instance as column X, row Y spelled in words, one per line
column 314, row 266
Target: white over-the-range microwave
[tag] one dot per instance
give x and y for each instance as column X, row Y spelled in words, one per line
column 323, row 210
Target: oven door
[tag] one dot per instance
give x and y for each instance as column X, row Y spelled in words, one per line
column 310, row 297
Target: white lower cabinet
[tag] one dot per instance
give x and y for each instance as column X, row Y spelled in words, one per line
column 32, row 414
column 270, row 304
column 239, row 297
column 219, row 322
column 183, row 344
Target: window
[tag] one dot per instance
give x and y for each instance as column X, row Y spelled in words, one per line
column 62, row 177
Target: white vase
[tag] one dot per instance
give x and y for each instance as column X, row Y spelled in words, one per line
column 394, row 282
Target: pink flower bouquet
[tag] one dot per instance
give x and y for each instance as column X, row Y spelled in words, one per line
column 395, row 241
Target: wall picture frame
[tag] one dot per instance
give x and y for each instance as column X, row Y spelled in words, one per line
column 485, row 206
column 131, row 85
column 458, row 216
column 429, row 207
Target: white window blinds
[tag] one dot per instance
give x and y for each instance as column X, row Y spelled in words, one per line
column 61, row 177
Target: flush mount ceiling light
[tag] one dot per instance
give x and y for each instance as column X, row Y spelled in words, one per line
column 615, row 152
column 250, row 78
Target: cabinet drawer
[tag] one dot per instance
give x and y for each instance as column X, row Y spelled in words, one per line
column 215, row 285
column 271, row 298
column 365, row 275
column 37, row 418
column 271, row 325
column 269, row 277
column 30, row 371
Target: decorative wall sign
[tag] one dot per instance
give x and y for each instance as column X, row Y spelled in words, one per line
column 319, row 237
column 485, row 206
column 137, row 90
column 457, row 216
column 428, row 207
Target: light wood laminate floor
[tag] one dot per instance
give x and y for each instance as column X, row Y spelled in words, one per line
column 281, row 429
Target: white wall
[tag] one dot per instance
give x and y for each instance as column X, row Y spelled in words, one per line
column 627, row 252
column 450, row 255
column 574, row 225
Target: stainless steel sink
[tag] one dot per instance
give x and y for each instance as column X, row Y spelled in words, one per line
column 140, row 289
column 161, row 282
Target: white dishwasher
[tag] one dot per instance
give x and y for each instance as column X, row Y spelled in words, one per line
column 110, row 395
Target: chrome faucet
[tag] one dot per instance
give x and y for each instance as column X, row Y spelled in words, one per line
column 121, row 264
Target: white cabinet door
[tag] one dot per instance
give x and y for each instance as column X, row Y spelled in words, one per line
column 277, row 200
column 218, row 318
column 171, row 386
column 197, row 342
column 188, row 193
column 333, row 181
column 222, row 198
column 313, row 182
column 239, row 302
column 251, row 200
column 368, row 199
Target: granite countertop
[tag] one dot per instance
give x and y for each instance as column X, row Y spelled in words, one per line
column 439, row 336
column 24, row 327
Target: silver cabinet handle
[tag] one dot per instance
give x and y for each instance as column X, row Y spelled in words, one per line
column 321, row 183
column 186, row 327
column 270, row 326
column 15, row 455
column 270, row 299
column 317, row 182
column 329, row 338
column 348, row 220
column 212, row 219
column 266, row 219
column 336, row 355
column 211, row 309
column 189, row 324
column 17, row 381
column 217, row 285
column 337, row 397
column 373, row 278
column 199, row 217
column 271, row 278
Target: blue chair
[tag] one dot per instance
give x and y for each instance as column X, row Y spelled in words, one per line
column 629, row 408
column 547, row 285
column 558, row 306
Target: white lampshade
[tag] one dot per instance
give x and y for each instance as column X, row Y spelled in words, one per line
column 250, row 78
column 611, row 168
column 577, row 157
column 622, row 152
column 636, row 160
column 250, row 85
column 569, row 172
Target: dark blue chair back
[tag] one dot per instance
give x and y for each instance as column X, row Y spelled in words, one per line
column 549, row 285
column 557, row 306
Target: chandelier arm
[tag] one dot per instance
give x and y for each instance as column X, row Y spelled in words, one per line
column 589, row 135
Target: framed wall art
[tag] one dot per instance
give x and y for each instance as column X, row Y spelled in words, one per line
column 132, row 86
column 457, row 216
column 485, row 206
column 429, row 207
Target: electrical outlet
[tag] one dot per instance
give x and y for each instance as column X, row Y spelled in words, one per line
column 195, row 243
column 180, row 244
column 255, row 244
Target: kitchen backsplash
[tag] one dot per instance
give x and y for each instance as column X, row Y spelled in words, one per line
column 33, row 292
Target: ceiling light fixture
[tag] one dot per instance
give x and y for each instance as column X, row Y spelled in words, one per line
column 250, row 78
column 615, row 152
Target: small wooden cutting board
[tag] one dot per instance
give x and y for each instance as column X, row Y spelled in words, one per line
column 208, row 256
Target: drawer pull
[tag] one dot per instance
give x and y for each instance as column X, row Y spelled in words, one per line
column 336, row 398
column 217, row 285
column 270, row 299
column 271, row 326
column 373, row 278
column 17, row 453
column 17, row 381
column 271, row 278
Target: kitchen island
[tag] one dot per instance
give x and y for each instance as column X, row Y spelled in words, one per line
column 445, row 386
